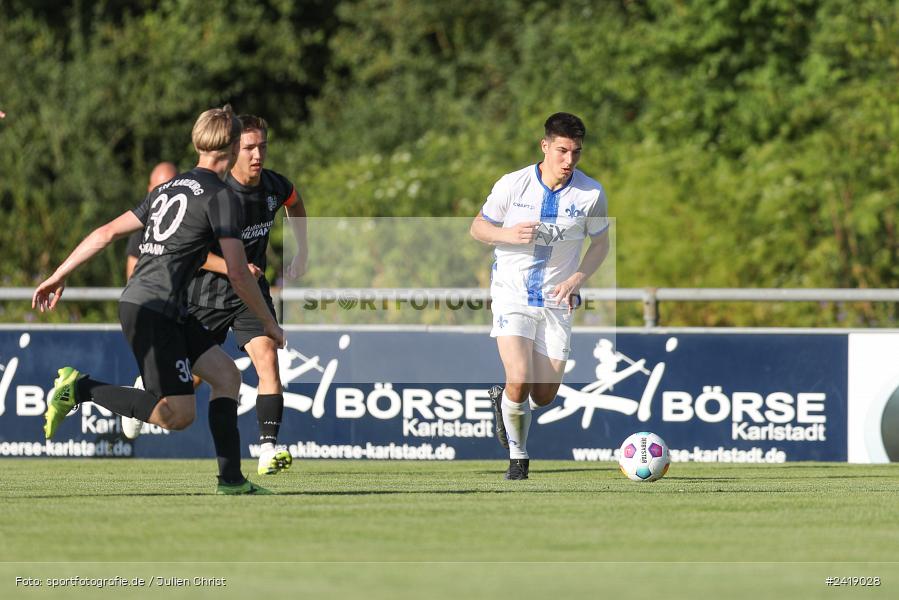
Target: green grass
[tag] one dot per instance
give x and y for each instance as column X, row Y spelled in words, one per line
column 435, row 530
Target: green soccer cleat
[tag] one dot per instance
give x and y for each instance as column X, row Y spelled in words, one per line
column 240, row 489
column 272, row 462
column 62, row 399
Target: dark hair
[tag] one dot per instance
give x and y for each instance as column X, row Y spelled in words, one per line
column 248, row 122
column 564, row 125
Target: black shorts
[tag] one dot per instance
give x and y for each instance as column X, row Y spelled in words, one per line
column 239, row 318
column 164, row 348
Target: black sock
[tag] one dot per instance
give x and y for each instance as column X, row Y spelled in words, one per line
column 269, row 410
column 125, row 401
column 226, row 436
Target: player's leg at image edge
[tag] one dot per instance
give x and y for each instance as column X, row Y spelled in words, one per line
column 269, row 412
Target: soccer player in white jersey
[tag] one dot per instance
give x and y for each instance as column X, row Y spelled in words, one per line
column 538, row 218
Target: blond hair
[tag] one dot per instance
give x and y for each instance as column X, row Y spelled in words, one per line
column 215, row 130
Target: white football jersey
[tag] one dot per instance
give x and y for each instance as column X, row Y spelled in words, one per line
column 527, row 274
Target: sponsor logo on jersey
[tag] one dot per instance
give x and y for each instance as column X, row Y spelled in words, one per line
column 549, row 233
column 256, row 231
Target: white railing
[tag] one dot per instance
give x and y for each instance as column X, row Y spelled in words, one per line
column 650, row 297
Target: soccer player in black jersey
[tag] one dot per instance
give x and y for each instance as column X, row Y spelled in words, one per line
column 181, row 220
column 213, row 302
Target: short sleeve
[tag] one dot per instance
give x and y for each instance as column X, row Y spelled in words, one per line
column 226, row 214
column 497, row 203
column 288, row 192
column 292, row 198
column 134, row 241
column 597, row 215
column 282, row 188
column 142, row 210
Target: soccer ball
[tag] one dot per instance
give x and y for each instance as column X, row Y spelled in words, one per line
column 644, row 457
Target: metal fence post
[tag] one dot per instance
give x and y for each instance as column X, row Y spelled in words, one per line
column 650, row 307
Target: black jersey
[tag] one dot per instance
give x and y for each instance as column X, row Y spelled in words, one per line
column 259, row 204
column 182, row 219
column 134, row 242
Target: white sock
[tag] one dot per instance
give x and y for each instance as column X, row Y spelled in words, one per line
column 517, row 419
column 533, row 405
column 266, row 447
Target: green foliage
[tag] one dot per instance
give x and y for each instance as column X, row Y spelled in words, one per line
column 96, row 96
column 744, row 143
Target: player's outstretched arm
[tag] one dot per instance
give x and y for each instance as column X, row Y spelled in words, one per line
column 87, row 249
column 297, row 218
column 246, row 286
column 217, row 264
column 488, row 233
column 594, row 256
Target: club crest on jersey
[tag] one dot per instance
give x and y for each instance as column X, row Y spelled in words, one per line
column 272, row 203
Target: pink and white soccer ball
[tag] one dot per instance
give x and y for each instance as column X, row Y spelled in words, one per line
column 644, row 457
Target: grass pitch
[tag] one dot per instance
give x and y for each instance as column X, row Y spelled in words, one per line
column 368, row 529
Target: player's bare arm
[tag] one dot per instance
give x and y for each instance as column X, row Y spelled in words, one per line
column 217, row 264
column 297, row 219
column 89, row 247
column 488, row 233
column 594, row 256
column 247, row 288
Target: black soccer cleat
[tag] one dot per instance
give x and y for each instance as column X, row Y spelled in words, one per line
column 496, row 397
column 518, row 469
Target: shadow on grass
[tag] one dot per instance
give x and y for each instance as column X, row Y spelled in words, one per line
column 581, row 470
column 787, row 478
column 443, row 474
column 297, row 493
